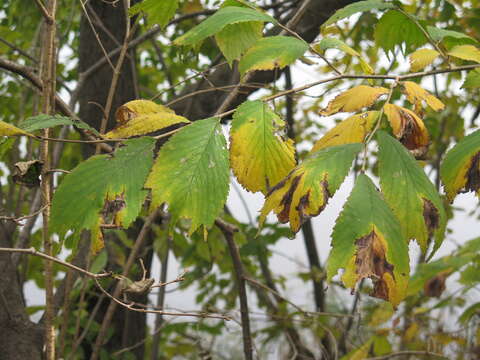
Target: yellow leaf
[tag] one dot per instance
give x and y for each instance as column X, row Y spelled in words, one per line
column 411, row 332
column 351, row 130
column 259, row 155
column 416, row 94
column 466, row 52
column 408, row 128
column 422, row 58
column 140, row 117
column 7, row 129
column 382, row 313
column 354, row 99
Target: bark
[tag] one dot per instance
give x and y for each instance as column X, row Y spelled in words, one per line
column 20, row 338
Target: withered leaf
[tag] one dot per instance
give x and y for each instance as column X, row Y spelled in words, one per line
column 435, row 286
column 408, row 128
column 28, row 173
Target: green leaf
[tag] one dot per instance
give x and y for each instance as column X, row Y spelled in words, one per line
column 272, row 52
column 101, row 187
column 460, row 169
column 360, row 6
column 472, row 80
column 225, row 16
column 305, row 191
column 367, row 242
column 395, row 28
column 260, row 157
column 233, row 40
column 159, row 11
column 332, row 43
column 411, row 195
column 44, row 121
column 439, row 34
column 191, row 174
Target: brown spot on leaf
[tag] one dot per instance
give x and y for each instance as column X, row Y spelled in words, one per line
column 370, row 262
column 430, row 215
column 286, row 201
column 124, row 114
column 473, row 174
column 112, row 208
column 436, row 285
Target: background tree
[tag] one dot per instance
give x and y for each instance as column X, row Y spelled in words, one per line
column 109, row 181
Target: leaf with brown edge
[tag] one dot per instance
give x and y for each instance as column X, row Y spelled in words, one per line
column 416, row 95
column 139, row 117
column 354, row 99
column 411, row 195
column 351, row 130
column 368, row 243
column 460, row 170
column 435, row 286
column 408, row 128
column 306, row 189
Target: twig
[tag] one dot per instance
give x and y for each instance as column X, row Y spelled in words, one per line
column 228, row 230
column 47, row 73
column 25, row 217
column 409, row 353
column 131, row 306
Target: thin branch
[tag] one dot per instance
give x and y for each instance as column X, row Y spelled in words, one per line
column 409, row 353
column 19, row 220
column 48, row 17
column 228, row 230
column 131, row 306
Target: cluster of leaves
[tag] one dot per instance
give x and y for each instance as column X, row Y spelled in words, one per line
column 190, row 173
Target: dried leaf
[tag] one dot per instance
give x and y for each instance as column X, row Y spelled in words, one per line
column 408, row 128
column 140, row 117
column 28, row 173
column 416, row 94
column 354, row 99
column 435, row 286
column 351, row 130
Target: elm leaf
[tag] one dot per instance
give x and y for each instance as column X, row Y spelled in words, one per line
column 368, row 243
column 259, row 155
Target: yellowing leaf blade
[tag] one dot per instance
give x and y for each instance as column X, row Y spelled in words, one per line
column 367, row 242
column 259, row 155
column 460, row 170
column 272, row 52
column 422, row 58
column 354, row 99
column 141, row 117
column 416, row 94
column 7, row 129
column 351, row 130
column 305, row 191
column 466, row 52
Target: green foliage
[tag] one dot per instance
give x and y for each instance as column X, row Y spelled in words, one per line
column 225, row 16
column 101, row 189
column 159, row 12
column 367, row 241
column 272, row 52
column 396, row 29
column 191, row 174
column 360, row 6
column 43, row 121
column 233, row 40
column 472, row 80
column 412, row 197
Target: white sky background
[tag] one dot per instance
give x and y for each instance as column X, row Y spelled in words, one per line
column 462, row 226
